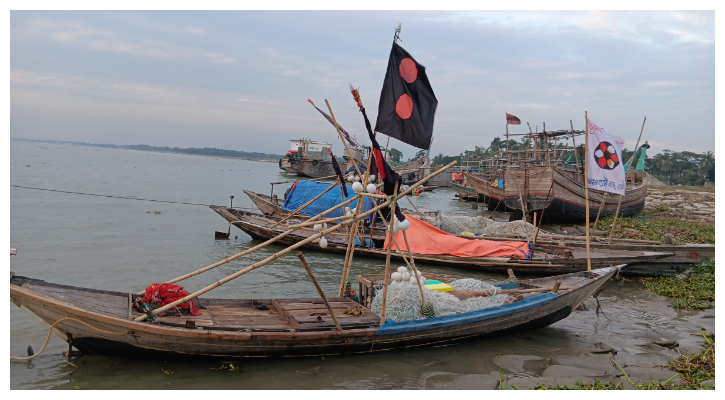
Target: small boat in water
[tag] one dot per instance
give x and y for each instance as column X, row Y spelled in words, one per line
column 102, row 321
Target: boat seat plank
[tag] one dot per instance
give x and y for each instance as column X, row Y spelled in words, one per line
column 253, row 322
column 113, row 305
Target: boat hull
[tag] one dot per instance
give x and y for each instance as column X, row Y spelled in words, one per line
column 111, row 331
column 258, row 227
column 559, row 192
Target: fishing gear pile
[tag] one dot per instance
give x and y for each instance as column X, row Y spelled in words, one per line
column 404, row 303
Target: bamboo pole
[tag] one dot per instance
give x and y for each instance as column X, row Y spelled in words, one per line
column 285, row 251
column 387, row 258
column 411, row 203
column 319, row 290
column 415, row 270
column 536, row 234
column 601, row 206
column 305, row 205
column 619, row 203
column 350, row 252
column 546, row 145
column 586, row 188
column 411, row 263
column 341, row 138
column 245, row 252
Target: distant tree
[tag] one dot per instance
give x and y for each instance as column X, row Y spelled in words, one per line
column 395, row 155
column 417, row 155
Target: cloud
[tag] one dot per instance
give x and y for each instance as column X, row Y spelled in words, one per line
column 548, row 66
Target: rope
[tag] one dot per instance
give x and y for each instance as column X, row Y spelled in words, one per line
column 122, row 197
column 51, row 330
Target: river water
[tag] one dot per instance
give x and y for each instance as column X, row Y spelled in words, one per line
column 124, row 245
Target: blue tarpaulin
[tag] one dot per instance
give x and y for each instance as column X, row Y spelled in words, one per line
column 304, row 191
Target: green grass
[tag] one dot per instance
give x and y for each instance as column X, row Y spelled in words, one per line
column 693, row 292
column 654, row 225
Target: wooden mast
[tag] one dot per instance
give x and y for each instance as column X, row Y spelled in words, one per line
column 586, row 187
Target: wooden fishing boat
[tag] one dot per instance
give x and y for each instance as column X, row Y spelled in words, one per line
column 683, row 256
column 102, row 321
column 559, row 191
column 545, row 261
column 527, row 181
column 466, row 192
column 273, row 206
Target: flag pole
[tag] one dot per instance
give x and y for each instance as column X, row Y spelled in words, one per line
column 508, row 153
column 586, row 187
column 619, row 204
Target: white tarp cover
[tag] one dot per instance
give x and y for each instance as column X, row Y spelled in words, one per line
column 605, row 164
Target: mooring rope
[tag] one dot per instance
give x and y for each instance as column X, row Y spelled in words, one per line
column 121, row 197
column 50, row 330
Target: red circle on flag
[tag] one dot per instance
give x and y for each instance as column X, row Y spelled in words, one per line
column 404, row 106
column 408, row 70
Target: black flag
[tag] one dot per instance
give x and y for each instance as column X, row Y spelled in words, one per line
column 336, row 167
column 381, row 168
column 407, row 103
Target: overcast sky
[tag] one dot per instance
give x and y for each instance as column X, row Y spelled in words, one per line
column 240, row 80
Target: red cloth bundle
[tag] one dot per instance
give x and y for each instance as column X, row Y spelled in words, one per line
column 166, row 293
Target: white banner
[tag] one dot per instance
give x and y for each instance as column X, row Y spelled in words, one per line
column 604, row 162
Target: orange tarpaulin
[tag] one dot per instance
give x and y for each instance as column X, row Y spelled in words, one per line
column 427, row 239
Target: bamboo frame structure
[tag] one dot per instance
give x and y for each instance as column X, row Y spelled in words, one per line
column 288, row 249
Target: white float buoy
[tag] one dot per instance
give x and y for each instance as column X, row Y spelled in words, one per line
column 317, row 227
column 404, row 225
column 357, row 187
column 357, row 178
column 323, row 242
column 406, row 275
column 402, row 269
column 371, row 178
column 422, row 280
column 370, row 188
column 396, row 276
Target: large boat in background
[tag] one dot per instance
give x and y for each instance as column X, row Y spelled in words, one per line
column 527, row 180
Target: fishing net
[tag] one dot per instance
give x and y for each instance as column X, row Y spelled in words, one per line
column 403, row 301
column 485, row 226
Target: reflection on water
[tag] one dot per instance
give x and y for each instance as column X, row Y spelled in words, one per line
column 125, row 245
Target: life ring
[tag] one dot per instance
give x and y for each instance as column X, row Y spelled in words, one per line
column 314, row 162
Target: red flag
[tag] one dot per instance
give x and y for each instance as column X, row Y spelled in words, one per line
column 512, row 120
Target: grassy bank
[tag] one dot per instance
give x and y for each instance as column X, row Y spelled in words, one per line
column 692, row 292
column 651, row 225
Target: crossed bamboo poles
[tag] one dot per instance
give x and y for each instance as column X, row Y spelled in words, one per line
column 312, row 221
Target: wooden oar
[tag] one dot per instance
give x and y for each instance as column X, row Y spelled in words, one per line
column 319, row 290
